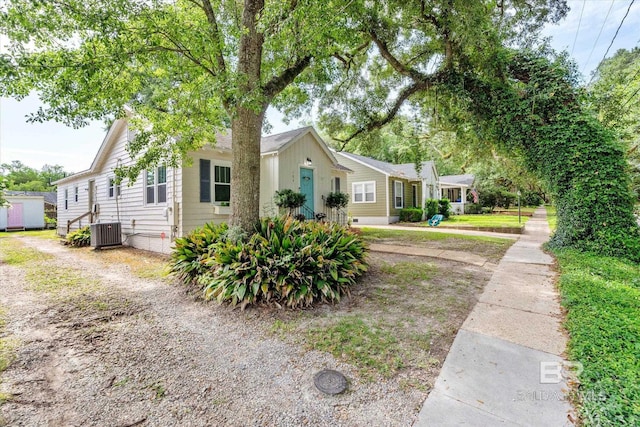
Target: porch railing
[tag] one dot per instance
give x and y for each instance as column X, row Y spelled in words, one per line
column 84, row 215
column 336, row 215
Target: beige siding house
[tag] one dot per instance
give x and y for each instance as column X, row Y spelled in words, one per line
column 379, row 190
column 165, row 203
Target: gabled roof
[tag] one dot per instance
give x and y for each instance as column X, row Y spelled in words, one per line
column 268, row 144
column 405, row 170
column 107, row 142
column 50, row 197
column 465, row 180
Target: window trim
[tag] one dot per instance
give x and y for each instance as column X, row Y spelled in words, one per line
column 395, row 194
column 363, row 192
column 114, row 190
column 337, row 184
column 156, row 185
column 215, row 183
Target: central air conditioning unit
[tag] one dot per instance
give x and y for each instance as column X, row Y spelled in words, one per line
column 106, row 234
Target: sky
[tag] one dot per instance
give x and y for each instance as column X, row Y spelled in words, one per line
column 585, row 33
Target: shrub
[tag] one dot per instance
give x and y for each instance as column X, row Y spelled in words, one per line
column 337, row 200
column 190, row 251
column 431, row 207
column 289, row 199
column 79, row 238
column 285, row 262
column 488, row 197
column 472, row 208
column 444, row 207
column 411, row 215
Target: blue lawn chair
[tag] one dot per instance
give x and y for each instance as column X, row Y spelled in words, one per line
column 435, row 220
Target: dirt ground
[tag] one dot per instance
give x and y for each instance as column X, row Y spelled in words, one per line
column 135, row 351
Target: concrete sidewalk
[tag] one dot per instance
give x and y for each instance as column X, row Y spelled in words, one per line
column 504, row 365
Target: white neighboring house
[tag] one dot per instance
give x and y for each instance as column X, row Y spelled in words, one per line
column 25, row 212
column 165, row 203
column 379, row 190
column 454, row 188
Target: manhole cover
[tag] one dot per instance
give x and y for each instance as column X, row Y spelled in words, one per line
column 330, row 382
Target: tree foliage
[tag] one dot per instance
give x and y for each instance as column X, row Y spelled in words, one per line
column 614, row 96
column 21, row 177
column 457, row 59
column 187, row 69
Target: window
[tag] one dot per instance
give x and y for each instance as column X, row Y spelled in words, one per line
column 398, row 194
column 156, row 185
column 150, row 187
column 364, row 192
column 336, row 186
column 205, row 180
column 66, row 198
column 222, row 186
column 113, row 189
column 75, row 193
column 162, row 184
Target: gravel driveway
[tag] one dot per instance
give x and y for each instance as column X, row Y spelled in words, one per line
column 148, row 354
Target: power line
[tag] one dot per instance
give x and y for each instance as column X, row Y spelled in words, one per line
column 634, row 93
column 578, row 30
column 614, row 38
column 598, row 38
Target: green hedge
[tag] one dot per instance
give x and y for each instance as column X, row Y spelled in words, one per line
column 411, row 215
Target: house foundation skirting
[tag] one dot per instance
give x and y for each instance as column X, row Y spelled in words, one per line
column 374, row 220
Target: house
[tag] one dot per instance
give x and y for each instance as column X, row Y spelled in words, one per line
column 165, row 203
column 454, row 188
column 379, row 190
column 25, row 211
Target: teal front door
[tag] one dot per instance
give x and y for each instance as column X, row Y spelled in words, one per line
column 306, row 188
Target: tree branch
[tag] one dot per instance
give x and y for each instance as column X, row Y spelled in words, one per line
column 278, row 83
column 378, row 123
column 393, row 61
column 215, row 34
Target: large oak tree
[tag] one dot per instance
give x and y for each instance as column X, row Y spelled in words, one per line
column 187, row 68
column 477, row 67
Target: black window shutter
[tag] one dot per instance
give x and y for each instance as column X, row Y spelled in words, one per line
column 205, row 180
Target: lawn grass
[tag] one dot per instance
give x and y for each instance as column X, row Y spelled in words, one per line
column 398, row 323
column 552, row 217
column 143, row 264
column 491, row 248
column 486, row 220
column 602, row 298
column 7, row 349
column 419, row 236
column 40, row 234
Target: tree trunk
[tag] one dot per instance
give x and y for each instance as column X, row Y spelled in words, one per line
column 246, row 123
column 245, row 170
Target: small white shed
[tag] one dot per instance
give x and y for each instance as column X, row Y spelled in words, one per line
column 23, row 213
